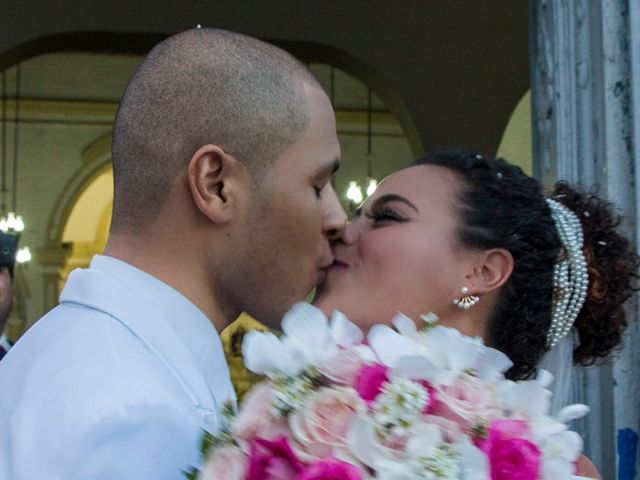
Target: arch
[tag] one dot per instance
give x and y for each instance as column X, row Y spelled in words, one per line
column 515, row 145
column 367, row 74
column 96, row 160
column 141, row 43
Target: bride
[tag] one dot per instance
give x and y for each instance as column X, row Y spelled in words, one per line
column 475, row 241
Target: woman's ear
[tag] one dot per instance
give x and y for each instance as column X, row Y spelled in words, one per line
column 218, row 183
column 492, row 270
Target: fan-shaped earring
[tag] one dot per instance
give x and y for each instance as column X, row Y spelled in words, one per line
column 466, row 301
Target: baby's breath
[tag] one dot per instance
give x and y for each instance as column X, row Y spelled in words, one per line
column 441, row 463
column 399, row 405
column 480, row 430
column 289, row 393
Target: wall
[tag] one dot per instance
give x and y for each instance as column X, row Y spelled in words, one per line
column 450, row 70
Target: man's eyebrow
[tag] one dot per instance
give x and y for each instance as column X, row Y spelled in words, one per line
column 327, row 169
column 393, row 197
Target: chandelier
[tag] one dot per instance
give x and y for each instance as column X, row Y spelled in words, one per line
column 11, row 222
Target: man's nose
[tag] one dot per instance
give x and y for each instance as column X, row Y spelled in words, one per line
column 335, row 218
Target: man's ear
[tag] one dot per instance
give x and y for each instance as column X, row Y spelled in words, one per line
column 218, row 183
column 492, row 270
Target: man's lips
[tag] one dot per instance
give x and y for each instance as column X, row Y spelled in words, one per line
column 339, row 265
column 324, row 271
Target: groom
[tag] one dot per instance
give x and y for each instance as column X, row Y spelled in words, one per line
column 223, row 151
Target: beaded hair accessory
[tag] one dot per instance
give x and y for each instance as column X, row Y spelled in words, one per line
column 570, row 278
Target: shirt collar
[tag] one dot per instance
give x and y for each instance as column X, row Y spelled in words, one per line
column 191, row 326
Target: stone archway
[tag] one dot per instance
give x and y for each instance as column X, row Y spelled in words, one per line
column 56, row 252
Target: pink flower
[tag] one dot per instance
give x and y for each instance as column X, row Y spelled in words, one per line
column 370, row 380
column 226, row 463
column 511, row 454
column 330, row 469
column 325, row 420
column 342, row 368
column 433, row 397
column 450, row 430
column 272, row 460
column 256, row 419
column 467, row 401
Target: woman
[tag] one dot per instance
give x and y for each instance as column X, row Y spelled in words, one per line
column 475, row 241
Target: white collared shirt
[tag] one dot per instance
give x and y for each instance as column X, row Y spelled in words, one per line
column 190, row 324
column 118, row 381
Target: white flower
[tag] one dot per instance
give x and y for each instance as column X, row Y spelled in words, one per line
column 309, row 338
column 526, row 398
column 559, row 454
column 265, row 354
column 430, row 319
column 364, row 445
column 437, row 355
column 475, row 463
column 441, row 462
column 431, row 457
column 395, row 470
column 572, row 412
column 389, row 345
column 453, row 351
column 290, row 392
column 399, row 406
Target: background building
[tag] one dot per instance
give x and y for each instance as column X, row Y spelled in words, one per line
column 405, row 76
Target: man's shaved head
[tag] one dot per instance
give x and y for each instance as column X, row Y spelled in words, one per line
column 199, row 87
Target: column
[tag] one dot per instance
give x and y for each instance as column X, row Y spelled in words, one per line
column 583, row 104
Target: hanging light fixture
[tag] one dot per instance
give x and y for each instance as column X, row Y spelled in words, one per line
column 10, row 221
column 354, row 191
column 372, row 183
column 3, row 174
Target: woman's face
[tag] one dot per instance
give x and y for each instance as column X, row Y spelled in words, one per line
column 400, row 253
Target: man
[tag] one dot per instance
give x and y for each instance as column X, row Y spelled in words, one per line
column 5, row 308
column 223, row 151
column 8, row 247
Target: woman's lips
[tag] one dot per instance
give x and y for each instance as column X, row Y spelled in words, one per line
column 336, row 266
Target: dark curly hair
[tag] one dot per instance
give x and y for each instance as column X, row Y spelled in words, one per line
column 502, row 207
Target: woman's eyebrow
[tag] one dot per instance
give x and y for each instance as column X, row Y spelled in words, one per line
column 393, row 197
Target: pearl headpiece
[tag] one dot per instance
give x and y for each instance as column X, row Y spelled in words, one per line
column 570, row 278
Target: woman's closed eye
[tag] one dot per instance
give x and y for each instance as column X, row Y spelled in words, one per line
column 383, row 214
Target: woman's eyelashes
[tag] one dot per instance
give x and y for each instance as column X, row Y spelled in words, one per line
column 384, row 213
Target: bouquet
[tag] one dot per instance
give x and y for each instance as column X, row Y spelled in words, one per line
column 405, row 403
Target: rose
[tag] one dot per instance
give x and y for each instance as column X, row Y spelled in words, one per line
column 511, row 454
column 450, row 430
column 466, row 401
column 225, row 463
column 370, row 380
column 325, row 420
column 272, row 460
column 342, row 368
column 256, row 419
column 330, row 469
column 515, row 459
